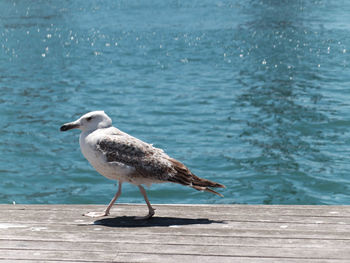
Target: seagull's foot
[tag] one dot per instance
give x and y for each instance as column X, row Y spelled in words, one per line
column 96, row 214
column 150, row 214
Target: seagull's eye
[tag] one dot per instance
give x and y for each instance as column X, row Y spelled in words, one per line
column 89, row 118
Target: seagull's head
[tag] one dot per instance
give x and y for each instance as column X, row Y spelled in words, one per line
column 89, row 122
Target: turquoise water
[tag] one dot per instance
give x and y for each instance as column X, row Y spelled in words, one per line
column 252, row 94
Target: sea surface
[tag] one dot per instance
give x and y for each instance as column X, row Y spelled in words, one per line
column 251, row 94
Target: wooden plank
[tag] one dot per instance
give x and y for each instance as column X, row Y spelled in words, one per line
column 242, row 216
column 58, row 255
column 198, row 223
column 301, row 210
column 156, row 258
column 174, row 240
column 182, row 232
column 196, row 233
column 32, row 247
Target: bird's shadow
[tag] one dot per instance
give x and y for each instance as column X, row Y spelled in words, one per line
column 130, row 221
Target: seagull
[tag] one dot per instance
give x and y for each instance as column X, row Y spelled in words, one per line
column 122, row 157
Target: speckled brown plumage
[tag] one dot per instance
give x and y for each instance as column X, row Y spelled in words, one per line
column 150, row 162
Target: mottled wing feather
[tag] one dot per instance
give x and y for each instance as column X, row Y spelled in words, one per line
column 148, row 161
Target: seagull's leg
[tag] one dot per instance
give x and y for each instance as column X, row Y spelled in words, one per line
column 106, row 212
column 150, row 208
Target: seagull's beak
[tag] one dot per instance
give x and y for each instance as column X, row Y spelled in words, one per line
column 69, row 126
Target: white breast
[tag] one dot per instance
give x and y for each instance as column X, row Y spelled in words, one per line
column 114, row 171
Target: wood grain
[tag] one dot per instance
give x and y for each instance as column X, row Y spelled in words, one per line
column 187, row 233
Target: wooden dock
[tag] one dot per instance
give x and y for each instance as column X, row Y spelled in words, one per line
column 178, row 233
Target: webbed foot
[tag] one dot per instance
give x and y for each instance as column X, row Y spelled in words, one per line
column 150, row 214
column 96, row 214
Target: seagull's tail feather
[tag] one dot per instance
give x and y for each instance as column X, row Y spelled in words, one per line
column 185, row 177
column 206, row 189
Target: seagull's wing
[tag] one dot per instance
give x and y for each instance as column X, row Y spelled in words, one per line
column 146, row 159
column 150, row 162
